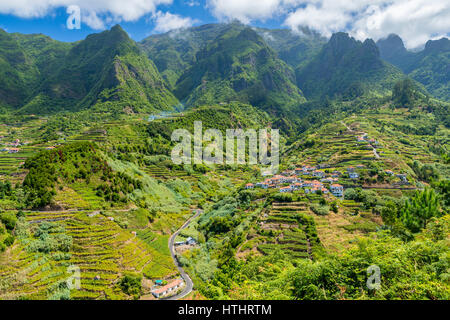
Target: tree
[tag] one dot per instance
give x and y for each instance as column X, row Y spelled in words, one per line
column 405, row 93
column 131, row 284
column 420, row 209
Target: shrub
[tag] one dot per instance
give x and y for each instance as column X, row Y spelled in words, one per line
column 131, row 284
column 320, row 210
column 9, row 220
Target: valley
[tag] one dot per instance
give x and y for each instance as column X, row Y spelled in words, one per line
column 93, row 207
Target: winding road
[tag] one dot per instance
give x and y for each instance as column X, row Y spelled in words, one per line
column 189, row 285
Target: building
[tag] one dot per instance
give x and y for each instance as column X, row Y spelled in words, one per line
column 316, row 189
column 291, row 179
column 262, row 185
column 351, row 169
column 353, row 175
column 319, row 174
column 171, row 287
column 13, row 150
column 286, row 189
column 288, row 173
column 296, row 186
column 327, row 180
column 402, row 177
column 390, row 172
column 337, row 173
column 337, row 190
column 249, row 186
column 191, row 241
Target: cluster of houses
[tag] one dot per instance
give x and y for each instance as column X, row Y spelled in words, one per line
column 296, row 183
column 403, row 177
column 167, row 289
column 366, row 138
column 12, row 147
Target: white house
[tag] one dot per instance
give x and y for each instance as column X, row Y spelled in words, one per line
column 163, row 291
column 319, row 174
column 249, row 186
column 353, row 175
column 286, row 189
column 191, row 241
column 337, row 190
column 262, row 185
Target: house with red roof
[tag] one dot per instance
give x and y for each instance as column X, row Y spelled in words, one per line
column 169, row 288
column 249, row 186
column 337, row 190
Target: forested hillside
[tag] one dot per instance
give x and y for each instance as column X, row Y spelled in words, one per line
column 88, row 184
column 431, row 66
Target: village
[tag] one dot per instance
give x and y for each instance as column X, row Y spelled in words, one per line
column 319, row 179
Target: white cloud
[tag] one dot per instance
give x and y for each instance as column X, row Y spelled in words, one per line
column 415, row 21
column 192, row 3
column 94, row 13
column 167, row 21
column 248, row 10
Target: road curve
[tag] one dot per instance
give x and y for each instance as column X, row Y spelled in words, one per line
column 189, row 285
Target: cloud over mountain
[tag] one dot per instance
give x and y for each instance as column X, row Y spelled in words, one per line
column 415, row 21
column 93, row 13
column 166, row 21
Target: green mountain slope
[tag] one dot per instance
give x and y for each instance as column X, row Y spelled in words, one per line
column 17, row 73
column 348, row 68
column 43, row 52
column 106, row 68
column 175, row 51
column 293, row 48
column 431, row 67
column 240, row 66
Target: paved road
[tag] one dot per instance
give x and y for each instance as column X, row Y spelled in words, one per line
column 189, row 285
column 375, row 153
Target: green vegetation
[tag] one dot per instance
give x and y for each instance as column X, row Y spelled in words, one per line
column 87, row 183
column 424, row 66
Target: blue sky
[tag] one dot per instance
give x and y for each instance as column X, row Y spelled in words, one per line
column 54, row 24
column 416, row 21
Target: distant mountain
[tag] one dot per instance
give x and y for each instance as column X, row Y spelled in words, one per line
column 393, row 50
column 175, row 51
column 431, row 66
column 348, row 68
column 293, row 48
column 238, row 65
column 106, row 68
column 18, row 75
column 43, row 52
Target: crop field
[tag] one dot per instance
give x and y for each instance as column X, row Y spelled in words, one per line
column 101, row 251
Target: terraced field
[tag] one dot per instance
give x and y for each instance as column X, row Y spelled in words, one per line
column 289, row 229
column 101, row 251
